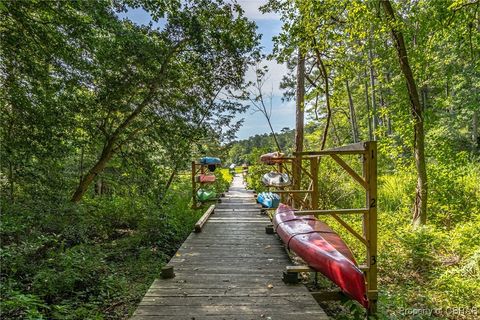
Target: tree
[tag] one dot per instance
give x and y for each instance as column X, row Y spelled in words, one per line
column 258, row 101
column 115, row 83
column 421, row 193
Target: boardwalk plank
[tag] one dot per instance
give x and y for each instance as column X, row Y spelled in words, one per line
column 231, row 270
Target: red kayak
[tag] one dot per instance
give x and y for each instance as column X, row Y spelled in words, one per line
column 206, row 178
column 322, row 249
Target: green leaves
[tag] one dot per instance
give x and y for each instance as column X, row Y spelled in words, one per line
column 114, row 84
column 89, row 99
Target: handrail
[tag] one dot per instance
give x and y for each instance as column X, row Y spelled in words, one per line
column 292, row 191
column 354, row 148
column 329, row 212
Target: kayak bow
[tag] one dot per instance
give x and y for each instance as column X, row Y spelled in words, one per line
column 322, row 249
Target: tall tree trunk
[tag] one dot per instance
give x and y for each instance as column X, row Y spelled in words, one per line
column 109, row 150
column 353, row 117
column 299, row 119
column 389, row 126
column 300, row 97
column 389, row 119
column 107, row 154
column 274, row 134
column 373, row 92
column 476, row 101
column 80, row 169
column 329, row 109
column 367, row 103
column 381, row 107
column 420, row 206
column 169, row 182
column 323, row 72
column 424, row 93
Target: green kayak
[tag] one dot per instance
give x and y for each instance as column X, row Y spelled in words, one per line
column 205, row 195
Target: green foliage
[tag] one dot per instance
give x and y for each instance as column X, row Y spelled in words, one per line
column 70, row 273
column 435, row 266
column 426, row 267
column 360, row 94
column 223, row 180
column 19, row 305
column 421, row 246
column 111, row 112
column 128, row 95
column 92, row 261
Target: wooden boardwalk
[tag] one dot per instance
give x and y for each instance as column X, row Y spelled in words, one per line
column 231, row 270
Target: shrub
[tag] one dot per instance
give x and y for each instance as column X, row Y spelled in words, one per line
column 18, row 305
column 76, row 272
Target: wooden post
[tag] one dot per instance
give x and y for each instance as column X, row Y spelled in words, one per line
column 370, row 224
column 283, row 195
column 368, row 151
column 194, row 186
column 315, row 196
column 299, row 115
column 167, row 272
column 296, row 177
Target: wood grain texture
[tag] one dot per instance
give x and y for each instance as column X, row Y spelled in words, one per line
column 230, row 270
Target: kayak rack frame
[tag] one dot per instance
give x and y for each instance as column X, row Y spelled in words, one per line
column 292, row 194
column 309, row 204
column 199, row 168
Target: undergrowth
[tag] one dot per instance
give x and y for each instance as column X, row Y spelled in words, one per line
column 94, row 260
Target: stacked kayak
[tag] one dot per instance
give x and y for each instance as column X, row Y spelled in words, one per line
column 322, row 249
column 268, row 199
column 271, row 158
column 276, row 179
column 205, row 195
column 206, row 178
column 210, row 160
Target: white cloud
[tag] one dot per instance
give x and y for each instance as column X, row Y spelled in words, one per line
column 283, row 113
column 252, row 11
column 274, row 77
column 286, row 109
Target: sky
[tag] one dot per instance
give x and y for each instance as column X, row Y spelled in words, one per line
column 269, row 25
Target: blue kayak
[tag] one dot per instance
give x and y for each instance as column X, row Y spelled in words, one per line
column 268, row 199
column 210, row 160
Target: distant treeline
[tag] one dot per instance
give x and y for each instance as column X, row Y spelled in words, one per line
column 243, row 151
